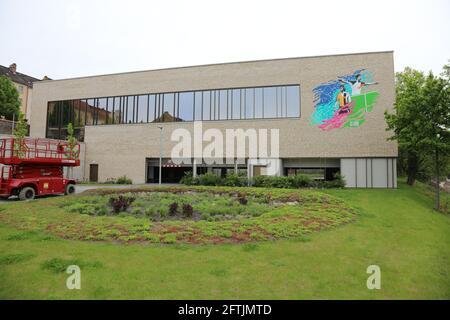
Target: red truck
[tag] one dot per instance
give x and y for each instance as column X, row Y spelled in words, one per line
column 35, row 167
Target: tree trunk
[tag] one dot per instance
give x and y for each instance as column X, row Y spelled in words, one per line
column 413, row 167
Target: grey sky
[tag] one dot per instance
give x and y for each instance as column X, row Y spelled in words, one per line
column 69, row 38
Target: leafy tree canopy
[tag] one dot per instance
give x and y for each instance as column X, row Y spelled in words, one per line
column 421, row 121
column 9, row 99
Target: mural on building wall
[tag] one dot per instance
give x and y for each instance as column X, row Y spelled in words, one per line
column 344, row 103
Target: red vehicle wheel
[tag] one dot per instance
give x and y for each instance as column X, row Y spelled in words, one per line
column 70, row 189
column 27, row 193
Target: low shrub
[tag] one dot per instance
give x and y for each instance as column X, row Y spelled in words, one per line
column 242, row 198
column 57, row 265
column 209, row 179
column 169, row 238
column 188, row 179
column 15, row 258
column 136, row 211
column 337, row 182
column 173, row 208
column 124, row 180
column 234, row 180
column 152, row 214
column 205, row 216
column 110, row 181
column 121, row 203
column 272, row 182
column 87, row 208
column 188, row 211
column 300, row 181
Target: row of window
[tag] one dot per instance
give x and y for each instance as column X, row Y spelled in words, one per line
column 224, row 104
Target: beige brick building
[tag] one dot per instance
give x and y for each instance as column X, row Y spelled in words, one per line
column 329, row 112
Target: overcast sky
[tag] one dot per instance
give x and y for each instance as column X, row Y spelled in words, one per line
column 71, row 38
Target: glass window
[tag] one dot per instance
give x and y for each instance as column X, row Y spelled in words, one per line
column 168, row 107
column 83, row 108
column 142, row 108
column 258, row 103
column 158, row 103
column 186, row 106
column 236, row 104
column 116, row 112
column 67, row 113
column 130, row 109
column 206, row 105
column 223, row 104
column 101, row 111
column 215, row 108
column 198, row 105
column 76, row 113
column 270, row 102
column 90, row 110
column 151, row 107
column 109, row 108
column 278, row 94
column 293, row 101
column 53, row 120
column 53, row 114
column 249, row 103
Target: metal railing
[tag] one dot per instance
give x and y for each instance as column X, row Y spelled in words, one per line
column 31, row 148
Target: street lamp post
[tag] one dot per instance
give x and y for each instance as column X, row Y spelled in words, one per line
column 437, row 200
column 160, row 152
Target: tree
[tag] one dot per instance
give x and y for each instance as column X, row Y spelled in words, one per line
column 421, row 119
column 73, row 150
column 9, row 99
column 72, row 143
column 20, row 132
column 405, row 122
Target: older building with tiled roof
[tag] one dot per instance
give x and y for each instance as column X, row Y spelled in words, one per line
column 24, row 85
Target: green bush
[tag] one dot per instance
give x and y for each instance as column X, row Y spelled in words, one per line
column 234, row 180
column 337, row 182
column 136, row 211
column 272, row 182
column 209, row 179
column 87, row 208
column 242, row 198
column 124, row 180
column 188, row 179
column 300, row 181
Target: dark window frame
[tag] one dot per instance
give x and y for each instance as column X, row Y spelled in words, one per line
column 281, row 101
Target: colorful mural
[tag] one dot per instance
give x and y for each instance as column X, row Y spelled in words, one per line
column 343, row 103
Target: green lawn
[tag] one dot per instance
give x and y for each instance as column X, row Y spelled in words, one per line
column 395, row 229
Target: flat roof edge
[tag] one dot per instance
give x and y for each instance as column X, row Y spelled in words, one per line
column 216, row 64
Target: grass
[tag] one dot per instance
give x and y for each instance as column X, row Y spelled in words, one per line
column 60, row 265
column 395, row 229
column 218, row 215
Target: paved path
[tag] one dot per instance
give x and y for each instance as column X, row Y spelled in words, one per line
column 83, row 187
